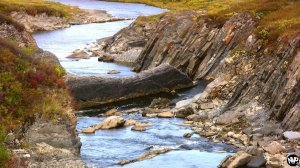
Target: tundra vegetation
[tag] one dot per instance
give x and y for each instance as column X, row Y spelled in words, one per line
column 274, row 18
column 30, row 88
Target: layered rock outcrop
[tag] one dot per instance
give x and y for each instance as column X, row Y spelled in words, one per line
column 126, row 45
column 255, row 90
column 90, row 91
column 261, row 81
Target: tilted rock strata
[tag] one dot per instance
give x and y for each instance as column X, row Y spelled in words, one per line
column 90, row 91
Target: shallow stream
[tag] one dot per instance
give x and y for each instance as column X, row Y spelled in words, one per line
column 106, row 147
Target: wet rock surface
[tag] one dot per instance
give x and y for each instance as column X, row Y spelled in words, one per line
column 89, row 91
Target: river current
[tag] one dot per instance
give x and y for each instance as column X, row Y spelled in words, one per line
column 106, row 147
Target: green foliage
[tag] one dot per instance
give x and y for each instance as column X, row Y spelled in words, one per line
column 4, row 154
column 29, row 86
column 60, row 71
column 263, row 34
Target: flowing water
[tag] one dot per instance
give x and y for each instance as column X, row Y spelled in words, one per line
column 106, row 147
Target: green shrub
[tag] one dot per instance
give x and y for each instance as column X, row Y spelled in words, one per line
column 4, row 154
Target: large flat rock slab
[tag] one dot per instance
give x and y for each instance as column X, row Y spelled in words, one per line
column 91, row 90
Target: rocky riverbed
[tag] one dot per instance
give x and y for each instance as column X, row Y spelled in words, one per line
column 252, row 101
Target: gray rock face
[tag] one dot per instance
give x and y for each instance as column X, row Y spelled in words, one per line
column 195, row 48
column 126, row 45
column 160, row 103
column 53, row 144
column 256, row 162
column 89, row 91
column 47, row 57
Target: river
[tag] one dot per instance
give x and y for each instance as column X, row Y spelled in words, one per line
column 106, row 147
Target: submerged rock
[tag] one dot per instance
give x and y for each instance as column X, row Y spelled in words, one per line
column 109, row 123
column 113, row 72
column 138, row 128
column 188, row 134
column 146, row 156
column 168, row 114
column 79, row 55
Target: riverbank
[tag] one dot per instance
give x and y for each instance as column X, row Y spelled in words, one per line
column 37, row 120
column 46, row 16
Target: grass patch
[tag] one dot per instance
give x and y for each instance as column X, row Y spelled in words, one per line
column 4, row 154
column 34, row 7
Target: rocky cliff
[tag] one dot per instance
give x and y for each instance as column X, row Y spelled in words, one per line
column 244, row 69
column 255, row 90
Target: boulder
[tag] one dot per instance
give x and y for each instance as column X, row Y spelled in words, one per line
column 160, row 103
column 110, row 112
column 184, row 112
column 276, row 161
column 165, row 114
column 113, row 72
column 106, row 58
column 111, row 122
column 138, row 128
column 79, row 55
column 90, row 90
column 257, row 162
column 149, row 155
column 89, row 130
column 183, row 103
column 291, row 135
column 188, row 134
column 194, row 117
column 150, row 115
column 139, row 124
column 255, row 151
column 274, row 148
column 240, row 159
column 130, row 122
